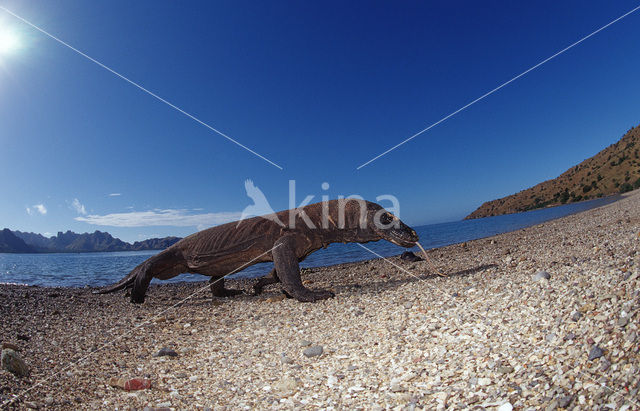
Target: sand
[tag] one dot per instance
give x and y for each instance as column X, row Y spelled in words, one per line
column 495, row 334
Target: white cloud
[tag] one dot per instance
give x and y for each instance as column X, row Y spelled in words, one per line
column 115, row 194
column 37, row 208
column 78, row 207
column 170, row 217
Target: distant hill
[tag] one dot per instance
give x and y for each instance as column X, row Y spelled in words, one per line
column 70, row 242
column 10, row 243
column 155, row 243
column 616, row 169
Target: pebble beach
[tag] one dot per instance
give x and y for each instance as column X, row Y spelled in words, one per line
column 541, row 318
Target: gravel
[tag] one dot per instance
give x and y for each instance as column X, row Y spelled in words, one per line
column 440, row 351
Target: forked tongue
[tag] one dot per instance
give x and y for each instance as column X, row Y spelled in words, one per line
column 426, row 257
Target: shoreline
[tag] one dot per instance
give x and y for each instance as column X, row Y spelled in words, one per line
column 252, row 276
column 393, row 335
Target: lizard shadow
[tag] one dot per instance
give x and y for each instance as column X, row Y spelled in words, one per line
column 377, row 286
column 336, row 281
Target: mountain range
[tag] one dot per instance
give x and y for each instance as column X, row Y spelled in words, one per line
column 616, row 169
column 70, row 242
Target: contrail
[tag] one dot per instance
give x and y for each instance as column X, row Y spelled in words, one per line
column 133, row 83
column 498, row 88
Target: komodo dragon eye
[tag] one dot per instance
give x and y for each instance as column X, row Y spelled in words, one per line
column 386, row 218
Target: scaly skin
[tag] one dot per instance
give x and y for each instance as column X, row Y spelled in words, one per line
column 221, row 250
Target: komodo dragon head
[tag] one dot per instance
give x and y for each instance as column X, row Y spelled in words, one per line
column 390, row 227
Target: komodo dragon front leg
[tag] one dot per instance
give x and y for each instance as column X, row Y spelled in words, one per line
column 287, row 268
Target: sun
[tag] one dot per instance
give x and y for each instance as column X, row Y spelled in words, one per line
column 9, row 42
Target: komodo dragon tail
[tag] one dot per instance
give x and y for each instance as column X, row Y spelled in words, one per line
column 126, row 282
column 139, row 278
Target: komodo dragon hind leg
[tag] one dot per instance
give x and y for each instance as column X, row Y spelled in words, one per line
column 144, row 274
column 164, row 265
column 288, row 269
column 217, row 288
column 271, row 278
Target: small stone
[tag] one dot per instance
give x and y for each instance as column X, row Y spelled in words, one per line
column 410, row 256
column 305, row 343
column 135, row 384
column 483, row 382
column 286, row 385
column 505, row 407
column 604, row 364
column 352, row 368
column 587, row 307
column 541, row 275
column 564, row 402
column 117, row 382
column 12, row 362
column 332, row 380
column 505, row 369
column 596, row 352
column 623, row 321
column 32, row 405
column 163, row 405
column 550, row 337
column 285, row 359
column 576, row 315
column 408, row 305
column 276, row 298
column 396, row 387
column 313, row 351
column 193, row 378
column 49, row 401
column 166, row 352
column 570, row 336
column 631, row 337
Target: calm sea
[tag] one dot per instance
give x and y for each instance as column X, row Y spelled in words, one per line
column 98, row 269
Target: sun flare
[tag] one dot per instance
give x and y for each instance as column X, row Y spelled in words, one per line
column 9, row 42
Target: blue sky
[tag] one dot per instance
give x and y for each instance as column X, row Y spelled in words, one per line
column 318, row 88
